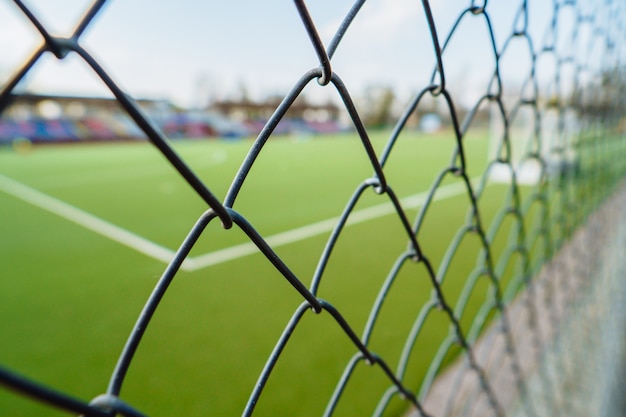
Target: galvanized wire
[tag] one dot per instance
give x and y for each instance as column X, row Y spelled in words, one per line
column 567, row 192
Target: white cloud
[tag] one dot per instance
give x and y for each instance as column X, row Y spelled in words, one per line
column 17, row 37
column 380, row 21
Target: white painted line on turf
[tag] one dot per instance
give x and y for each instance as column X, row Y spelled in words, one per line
column 238, row 251
column 87, row 220
column 160, row 253
column 318, row 228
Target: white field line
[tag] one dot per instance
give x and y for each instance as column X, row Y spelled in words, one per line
column 87, row 220
column 315, row 229
column 160, row 253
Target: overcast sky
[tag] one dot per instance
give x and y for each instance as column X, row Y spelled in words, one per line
column 184, row 50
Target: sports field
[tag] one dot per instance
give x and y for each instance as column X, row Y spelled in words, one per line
column 87, row 230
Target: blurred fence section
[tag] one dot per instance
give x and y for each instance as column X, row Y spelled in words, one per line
column 560, row 133
column 569, row 333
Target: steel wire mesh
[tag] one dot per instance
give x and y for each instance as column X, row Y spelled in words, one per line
column 576, row 140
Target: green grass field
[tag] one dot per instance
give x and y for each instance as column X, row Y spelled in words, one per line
column 70, row 296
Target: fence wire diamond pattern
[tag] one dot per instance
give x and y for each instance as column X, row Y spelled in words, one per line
column 568, row 190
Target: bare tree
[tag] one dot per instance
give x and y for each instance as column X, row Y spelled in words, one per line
column 377, row 105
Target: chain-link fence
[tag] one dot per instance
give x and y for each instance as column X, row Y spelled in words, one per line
column 552, row 309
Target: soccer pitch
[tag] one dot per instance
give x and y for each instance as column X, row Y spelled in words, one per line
column 87, row 231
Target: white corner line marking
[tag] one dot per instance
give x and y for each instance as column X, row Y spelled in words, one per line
column 87, row 220
column 318, row 228
column 163, row 254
